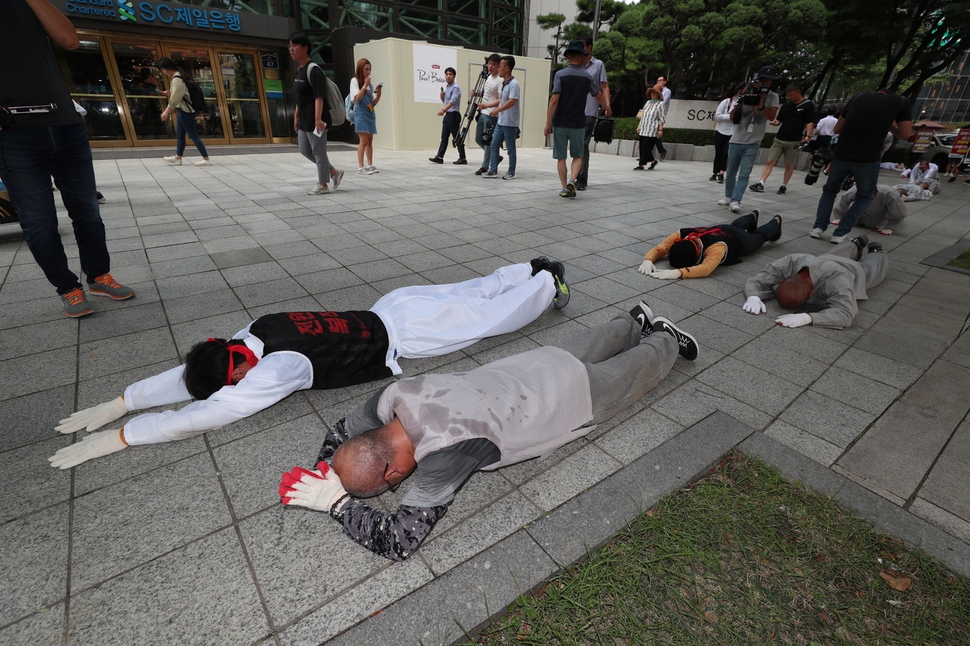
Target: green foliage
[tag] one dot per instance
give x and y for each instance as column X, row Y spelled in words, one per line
column 550, row 20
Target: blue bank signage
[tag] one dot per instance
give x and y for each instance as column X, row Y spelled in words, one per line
column 156, row 13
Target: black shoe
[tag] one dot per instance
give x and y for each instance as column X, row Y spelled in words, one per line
column 720, row 179
column 460, row 162
column 663, row 155
column 643, row 315
column 101, row 199
column 757, row 187
column 580, row 186
column 540, row 263
column 782, row 189
column 654, row 163
column 860, row 244
column 500, row 159
column 558, row 271
column 952, row 179
column 481, row 171
column 685, row 342
column 777, row 236
column 713, row 178
column 436, row 160
column 875, row 247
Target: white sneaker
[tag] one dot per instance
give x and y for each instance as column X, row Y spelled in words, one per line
column 371, row 169
column 724, row 201
column 337, row 178
column 204, row 162
column 838, row 239
column 508, row 176
column 816, row 233
column 319, row 189
column 362, row 171
column 173, row 160
column 736, row 207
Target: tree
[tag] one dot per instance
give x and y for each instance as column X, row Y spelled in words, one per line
column 552, row 21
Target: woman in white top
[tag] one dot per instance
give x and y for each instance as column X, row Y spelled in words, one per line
column 651, row 127
column 723, row 129
column 365, row 99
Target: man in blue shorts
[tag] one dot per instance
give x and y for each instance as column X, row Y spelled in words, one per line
column 566, row 116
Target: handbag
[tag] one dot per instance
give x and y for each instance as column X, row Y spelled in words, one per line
column 603, row 130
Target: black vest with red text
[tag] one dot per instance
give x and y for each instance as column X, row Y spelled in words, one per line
column 726, row 233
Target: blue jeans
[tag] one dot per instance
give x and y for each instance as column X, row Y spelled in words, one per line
column 484, row 119
column 866, row 178
column 506, row 134
column 29, row 157
column 185, row 124
column 740, row 161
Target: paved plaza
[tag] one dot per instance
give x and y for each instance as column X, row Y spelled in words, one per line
column 187, row 543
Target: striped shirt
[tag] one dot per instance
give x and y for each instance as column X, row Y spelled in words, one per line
column 653, row 117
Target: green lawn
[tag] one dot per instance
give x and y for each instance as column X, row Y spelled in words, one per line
column 744, row 557
column 962, row 261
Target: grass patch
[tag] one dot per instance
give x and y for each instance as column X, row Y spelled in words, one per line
column 743, row 557
column 962, row 261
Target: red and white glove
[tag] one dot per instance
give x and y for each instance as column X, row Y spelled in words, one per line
column 319, row 489
column 95, row 417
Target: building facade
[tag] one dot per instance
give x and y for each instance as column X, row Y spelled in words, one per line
column 236, row 51
column 950, row 101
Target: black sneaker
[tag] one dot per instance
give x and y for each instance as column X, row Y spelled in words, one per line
column 777, row 236
column 580, row 186
column 782, row 189
column 643, row 315
column 713, row 177
column 720, row 179
column 558, row 271
column 101, row 199
column 757, row 187
column 460, row 162
column 875, row 247
column 540, row 263
column 686, row 343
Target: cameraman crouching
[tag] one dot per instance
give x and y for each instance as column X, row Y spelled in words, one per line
column 752, row 109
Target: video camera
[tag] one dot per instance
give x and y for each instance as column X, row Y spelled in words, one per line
column 753, row 91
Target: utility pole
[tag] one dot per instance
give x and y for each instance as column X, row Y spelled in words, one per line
column 596, row 20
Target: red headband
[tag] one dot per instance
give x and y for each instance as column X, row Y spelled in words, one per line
column 241, row 349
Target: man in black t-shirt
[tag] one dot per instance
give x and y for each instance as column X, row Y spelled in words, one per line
column 42, row 136
column 861, row 129
column 797, row 120
column 311, row 117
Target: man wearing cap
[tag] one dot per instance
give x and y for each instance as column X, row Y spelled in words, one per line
column 278, row 354
column 597, row 70
column 754, row 106
column 566, row 115
column 861, row 130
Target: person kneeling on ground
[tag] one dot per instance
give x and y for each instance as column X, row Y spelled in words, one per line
column 696, row 252
column 442, row 428
column 831, row 284
column 884, row 214
column 278, row 354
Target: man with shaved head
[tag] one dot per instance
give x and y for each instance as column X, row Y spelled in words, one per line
column 828, row 285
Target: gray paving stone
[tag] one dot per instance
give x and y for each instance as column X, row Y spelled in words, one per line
column 46, row 626
column 34, row 575
column 32, row 418
column 202, row 593
column 857, row 391
column 110, row 535
column 32, row 373
column 882, row 369
column 834, row 422
column 751, row 385
column 638, row 435
column 805, row 443
column 106, row 356
column 459, row 601
column 951, row 524
column 693, row 401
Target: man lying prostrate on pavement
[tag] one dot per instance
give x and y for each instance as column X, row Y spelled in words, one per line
column 278, row 354
column 829, row 284
column 695, row 252
column 442, row 428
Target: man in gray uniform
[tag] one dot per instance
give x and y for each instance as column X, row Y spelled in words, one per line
column 829, row 284
column 442, row 428
column 884, row 214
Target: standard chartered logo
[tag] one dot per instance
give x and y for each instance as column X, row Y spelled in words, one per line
column 126, row 11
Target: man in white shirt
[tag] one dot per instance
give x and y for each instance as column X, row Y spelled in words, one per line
column 278, row 354
column 488, row 102
column 665, row 97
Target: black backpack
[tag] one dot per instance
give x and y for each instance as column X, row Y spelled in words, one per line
column 196, row 95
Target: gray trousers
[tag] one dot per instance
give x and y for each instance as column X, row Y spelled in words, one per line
column 876, row 265
column 621, row 366
column 314, row 148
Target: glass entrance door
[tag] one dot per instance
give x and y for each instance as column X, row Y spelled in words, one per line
column 197, row 62
column 143, row 85
column 241, row 89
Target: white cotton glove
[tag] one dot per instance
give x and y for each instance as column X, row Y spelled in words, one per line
column 646, row 267
column 94, row 445
column 794, row 320
column 666, row 274
column 319, row 489
column 754, row 305
column 95, row 417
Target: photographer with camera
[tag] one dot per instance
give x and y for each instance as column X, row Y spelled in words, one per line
column 796, row 120
column 42, row 136
column 753, row 107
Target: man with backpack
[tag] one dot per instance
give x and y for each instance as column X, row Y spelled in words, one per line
column 313, row 117
column 182, row 103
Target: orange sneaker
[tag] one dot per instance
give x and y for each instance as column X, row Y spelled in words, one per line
column 76, row 304
column 106, row 285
